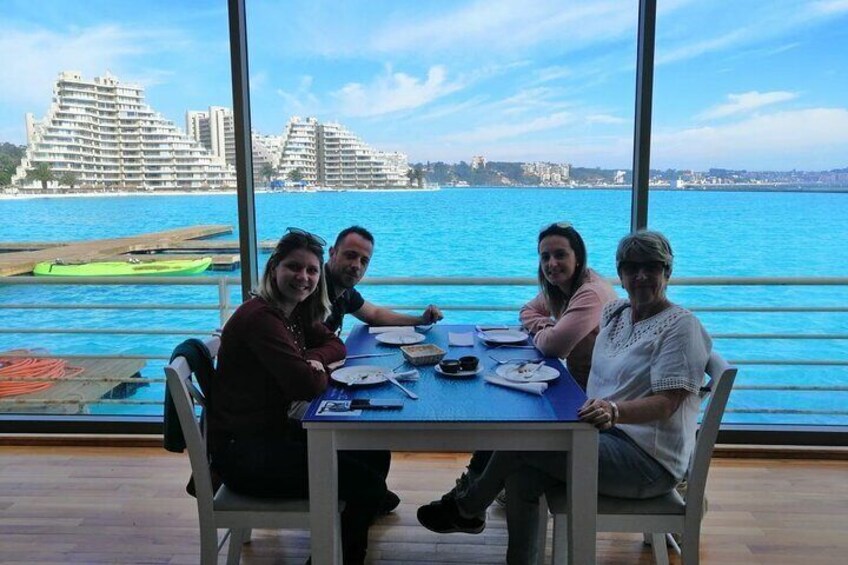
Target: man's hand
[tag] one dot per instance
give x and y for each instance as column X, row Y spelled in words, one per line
column 431, row 315
column 317, row 365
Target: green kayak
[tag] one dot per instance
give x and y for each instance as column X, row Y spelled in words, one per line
column 123, row 268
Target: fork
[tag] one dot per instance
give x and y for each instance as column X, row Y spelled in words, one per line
column 512, row 359
column 408, row 392
column 535, row 370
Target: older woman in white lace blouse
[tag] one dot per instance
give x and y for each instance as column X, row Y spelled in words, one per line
column 647, row 369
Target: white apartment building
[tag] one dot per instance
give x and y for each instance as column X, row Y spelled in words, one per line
column 550, row 174
column 103, row 133
column 299, row 150
column 215, row 130
column 330, row 155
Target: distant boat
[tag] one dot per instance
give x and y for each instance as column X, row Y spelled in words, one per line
column 132, row 268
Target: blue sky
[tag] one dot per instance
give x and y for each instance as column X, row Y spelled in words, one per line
column 753, row 84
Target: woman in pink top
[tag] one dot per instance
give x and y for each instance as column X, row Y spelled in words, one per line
column 564, row 316
column 564, row 319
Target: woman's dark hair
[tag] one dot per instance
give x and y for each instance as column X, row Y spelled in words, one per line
column 555, row 298
column 317, row 305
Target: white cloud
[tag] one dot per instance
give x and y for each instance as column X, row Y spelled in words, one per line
column 302, row 101
column 831, row 6
column 35, row 57
column 393, row 92
column 495, row 132
column 556, row 72
column 815, row 138
column 508, row 26
column 605, row 119
column 745, row 102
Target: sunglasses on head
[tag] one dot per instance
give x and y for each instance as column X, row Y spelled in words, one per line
column 308, row 235
column 631, row 268
column 560, row 225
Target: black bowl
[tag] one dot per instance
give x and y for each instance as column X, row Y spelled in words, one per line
column 449, row 366
column 469, row 363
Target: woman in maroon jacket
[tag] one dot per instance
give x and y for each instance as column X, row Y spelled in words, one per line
column 275, row 350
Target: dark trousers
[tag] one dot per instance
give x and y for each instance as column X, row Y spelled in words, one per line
column 479, row 460
column 277, row 468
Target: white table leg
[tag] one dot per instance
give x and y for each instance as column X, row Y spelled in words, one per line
column 583, row 497
column 324, row 497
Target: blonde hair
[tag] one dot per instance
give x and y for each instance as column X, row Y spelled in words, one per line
column 316, row 306
column 650, row 244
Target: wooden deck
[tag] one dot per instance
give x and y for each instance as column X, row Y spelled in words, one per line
column 22, row 262
column 101, row 378
column 127, row 505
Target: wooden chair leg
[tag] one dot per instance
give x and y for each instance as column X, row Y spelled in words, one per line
column 237, row 539
column 542, row 534
column 560, row 540
column 659, row 548
column 208, row 545
column 690, row 548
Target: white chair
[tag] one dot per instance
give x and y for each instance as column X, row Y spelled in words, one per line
column 671, row 513
column 223, row 509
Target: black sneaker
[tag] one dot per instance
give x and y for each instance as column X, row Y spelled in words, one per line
column 390, row 502
column 443, row 517
column 460, row 486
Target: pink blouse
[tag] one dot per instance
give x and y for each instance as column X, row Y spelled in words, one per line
column 573, row 335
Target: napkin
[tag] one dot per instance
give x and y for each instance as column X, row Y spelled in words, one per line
column 383, row 329
column 412, row 375
column 460, row 339
column 532, row 388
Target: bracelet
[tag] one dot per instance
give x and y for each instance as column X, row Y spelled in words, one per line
column 614, row 407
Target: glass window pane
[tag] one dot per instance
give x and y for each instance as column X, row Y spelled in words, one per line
column 452, row 130
column 748, row 157
column 95, row 147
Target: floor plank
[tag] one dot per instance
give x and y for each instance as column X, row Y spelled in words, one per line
column 127, row 505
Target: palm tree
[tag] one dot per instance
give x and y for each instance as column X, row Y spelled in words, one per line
column 42, row 173
column 266, row 171
column 295, row 175
column 68, row 179
column 410, row 175
column 419, row 175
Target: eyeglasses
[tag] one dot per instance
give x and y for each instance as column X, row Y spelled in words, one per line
column 631, row 268
column 308, row 235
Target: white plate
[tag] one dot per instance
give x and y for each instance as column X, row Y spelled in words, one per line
column 399, row 338
column 461, row 373
column 511, row 373
column 360, row 375
column 504, row 336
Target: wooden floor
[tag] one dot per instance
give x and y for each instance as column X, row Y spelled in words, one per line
column 127, row 505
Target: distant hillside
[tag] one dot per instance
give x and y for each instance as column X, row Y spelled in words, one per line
column 502, row 173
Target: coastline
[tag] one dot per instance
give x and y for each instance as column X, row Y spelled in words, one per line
column 232, row 192
column 229, row 192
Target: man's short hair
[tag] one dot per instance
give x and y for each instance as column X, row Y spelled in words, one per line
column 358, row 230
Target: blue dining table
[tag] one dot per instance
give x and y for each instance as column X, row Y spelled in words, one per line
column 454, row 414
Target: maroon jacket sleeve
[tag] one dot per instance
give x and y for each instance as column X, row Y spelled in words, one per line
column 323, row 345
column 273, row 345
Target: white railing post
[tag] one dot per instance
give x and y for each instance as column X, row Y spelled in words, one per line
column 223, row 301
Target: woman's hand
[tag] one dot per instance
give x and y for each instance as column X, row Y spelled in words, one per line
column 598, row 412
column 317, row 365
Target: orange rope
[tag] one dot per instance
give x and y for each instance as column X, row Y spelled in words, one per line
column 32, row 368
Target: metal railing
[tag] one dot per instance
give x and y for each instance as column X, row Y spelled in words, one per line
column 224, row 307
